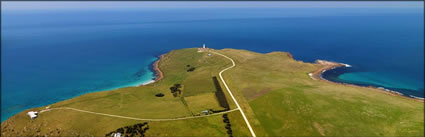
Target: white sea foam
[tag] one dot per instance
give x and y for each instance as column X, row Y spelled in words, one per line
column 149, row 82
column 321, row 75
column 346, row 65
column 416, row 97
column 144, row 83
column 392, row 91
column 396, row 92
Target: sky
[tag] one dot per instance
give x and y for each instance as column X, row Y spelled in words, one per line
column 69, row 5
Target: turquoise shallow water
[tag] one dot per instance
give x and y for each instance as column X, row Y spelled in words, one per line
column 384, row 79
column 50, row 56
column 403, row 84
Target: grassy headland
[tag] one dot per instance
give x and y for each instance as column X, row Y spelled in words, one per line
column 275, row 91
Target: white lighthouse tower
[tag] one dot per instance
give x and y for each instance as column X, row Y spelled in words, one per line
column 203, row 49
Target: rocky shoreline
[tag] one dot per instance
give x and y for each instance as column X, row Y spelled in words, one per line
column 158, row 72
column 328, row 65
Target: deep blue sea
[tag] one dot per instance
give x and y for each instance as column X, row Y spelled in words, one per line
column 53, row 55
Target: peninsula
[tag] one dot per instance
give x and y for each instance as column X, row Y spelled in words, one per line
column 228, row 92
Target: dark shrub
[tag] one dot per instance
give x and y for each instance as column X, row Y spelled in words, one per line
column 120, row 130
column 158, row 95
column 217, row 111
column 131, row 131
column 109, row 134
column 140, row 125
column 177, row 85
column 146, row 128
column 228, row 125
column 173, row 89
column 220, row 95
column 191, row 69
column 187, row 65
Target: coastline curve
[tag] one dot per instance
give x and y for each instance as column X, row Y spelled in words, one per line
column 328, row 65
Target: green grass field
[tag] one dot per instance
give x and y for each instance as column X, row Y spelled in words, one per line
column 202, row 102
column 277, row 95
column 287, row 102
column 193, row 81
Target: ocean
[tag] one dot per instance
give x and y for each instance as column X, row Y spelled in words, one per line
column 49, row 56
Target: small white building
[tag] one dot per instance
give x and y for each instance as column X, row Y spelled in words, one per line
column 206, row 112
column 118, row 134
column 33, row 114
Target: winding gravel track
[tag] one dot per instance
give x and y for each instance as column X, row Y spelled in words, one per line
column 141, row 119
column 182, row 118
column 230, row 92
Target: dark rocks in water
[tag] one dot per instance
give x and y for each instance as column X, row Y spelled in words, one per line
column 159, row 95
column 191, row 69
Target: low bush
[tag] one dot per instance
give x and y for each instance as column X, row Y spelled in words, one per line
column 131, row 131
column 190, row 69
column 175, row 90
column 159, row 95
